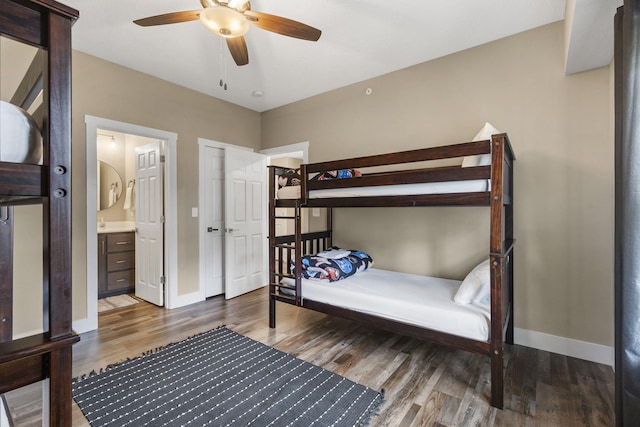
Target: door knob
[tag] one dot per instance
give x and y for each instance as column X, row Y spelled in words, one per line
column 211, row 229
column 230, row 230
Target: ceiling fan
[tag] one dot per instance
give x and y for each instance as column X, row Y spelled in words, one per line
column 230, row 19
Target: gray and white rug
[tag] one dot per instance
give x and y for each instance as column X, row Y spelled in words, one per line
column 222, row 378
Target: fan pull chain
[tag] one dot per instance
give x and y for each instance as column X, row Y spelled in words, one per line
column 223, row 65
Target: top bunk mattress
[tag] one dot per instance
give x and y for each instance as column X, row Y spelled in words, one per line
column 409, row 298
column 470, row 186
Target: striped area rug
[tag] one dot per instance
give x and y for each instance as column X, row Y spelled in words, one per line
column 221, row 378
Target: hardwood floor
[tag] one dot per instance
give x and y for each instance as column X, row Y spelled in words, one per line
column 425, row 384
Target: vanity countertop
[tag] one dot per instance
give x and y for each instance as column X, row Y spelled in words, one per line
column 116, row 227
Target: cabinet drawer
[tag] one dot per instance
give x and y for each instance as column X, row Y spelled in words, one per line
column 121, row 261
column 121, row 280
column 118, row 242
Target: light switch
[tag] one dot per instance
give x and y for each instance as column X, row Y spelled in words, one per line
column 315, row 212
column 194, row 212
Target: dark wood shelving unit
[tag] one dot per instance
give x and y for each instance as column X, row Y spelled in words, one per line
column 44, row 24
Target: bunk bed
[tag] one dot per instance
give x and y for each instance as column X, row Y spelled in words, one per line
column 35, row 167
column 404, row 182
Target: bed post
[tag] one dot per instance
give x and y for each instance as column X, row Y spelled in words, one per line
column 272, row 246
column 510, row 237
column 329, row 240
column 304, row 176
column 497, row 260
column 299, row 252
column 6, row 273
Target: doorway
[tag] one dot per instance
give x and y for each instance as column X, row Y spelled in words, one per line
column 232, row 219
column 93, row 124
column 212, row 243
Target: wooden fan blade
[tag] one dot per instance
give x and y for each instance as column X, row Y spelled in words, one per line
column 284, row 26
column 238, row 48
column 169, row 18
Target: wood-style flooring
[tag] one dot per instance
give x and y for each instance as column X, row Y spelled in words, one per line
column 425, row 384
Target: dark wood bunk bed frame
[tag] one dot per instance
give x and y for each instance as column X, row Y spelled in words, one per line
column 44, row 24
column 283, row 249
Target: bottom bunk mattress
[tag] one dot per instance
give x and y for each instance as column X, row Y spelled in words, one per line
column 409, row 298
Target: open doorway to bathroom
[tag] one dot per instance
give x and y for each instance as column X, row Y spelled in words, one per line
column 123, row 242
column 114, row 150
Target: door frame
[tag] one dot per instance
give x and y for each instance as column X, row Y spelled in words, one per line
column 92, row 124
column 300, row 149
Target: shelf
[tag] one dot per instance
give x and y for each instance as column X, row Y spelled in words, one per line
column 19, row 200
column 24, row 361
column 22, row 181
column 33, row 346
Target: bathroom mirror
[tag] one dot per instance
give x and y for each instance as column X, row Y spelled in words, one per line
column 109, row 185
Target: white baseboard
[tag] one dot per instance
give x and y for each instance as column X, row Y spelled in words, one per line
column 566, row 346
column 81, row 326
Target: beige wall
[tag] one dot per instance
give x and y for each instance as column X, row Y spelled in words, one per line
column 561, row 132
column 560, row 127
column 109, row 91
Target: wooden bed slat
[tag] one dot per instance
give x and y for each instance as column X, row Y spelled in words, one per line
column 412, row 156
column 19, row 179
column 420, row 176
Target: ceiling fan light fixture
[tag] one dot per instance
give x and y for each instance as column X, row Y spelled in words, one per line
column 224, row 21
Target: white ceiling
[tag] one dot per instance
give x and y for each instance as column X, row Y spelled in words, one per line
column 360, row 39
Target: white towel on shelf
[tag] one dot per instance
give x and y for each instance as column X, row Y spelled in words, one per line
column 128, row 197
column 334, row 253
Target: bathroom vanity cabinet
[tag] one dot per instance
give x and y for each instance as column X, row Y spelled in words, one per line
column 116, row 263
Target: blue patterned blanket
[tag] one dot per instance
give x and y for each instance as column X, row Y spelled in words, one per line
column 333, row 269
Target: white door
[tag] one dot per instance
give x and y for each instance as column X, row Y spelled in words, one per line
column 245, row 213
column 149, row 224
column 213, row 221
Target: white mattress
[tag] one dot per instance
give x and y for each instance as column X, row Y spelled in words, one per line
column 476, row 185
column 409, row 298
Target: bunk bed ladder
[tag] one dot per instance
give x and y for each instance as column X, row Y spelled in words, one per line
column 282, row 250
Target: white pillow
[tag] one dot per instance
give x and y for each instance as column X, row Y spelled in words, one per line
column 482, row 159
column 476, row 285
